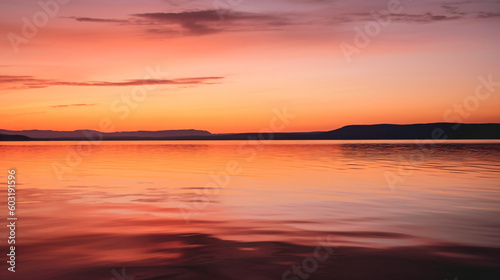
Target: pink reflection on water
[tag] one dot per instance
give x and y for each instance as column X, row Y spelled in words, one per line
column 121, row 208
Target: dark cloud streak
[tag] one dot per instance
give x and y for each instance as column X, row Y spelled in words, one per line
column 73, row 105
column 27, row 82
column 208, row 21
column 100, row 20
column 201, row 22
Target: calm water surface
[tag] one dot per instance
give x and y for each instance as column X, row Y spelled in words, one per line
column 244, row 210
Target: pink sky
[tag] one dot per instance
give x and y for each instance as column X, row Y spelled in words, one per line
column 229, row 74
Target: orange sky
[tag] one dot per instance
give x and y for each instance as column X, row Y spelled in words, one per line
column 89, row 61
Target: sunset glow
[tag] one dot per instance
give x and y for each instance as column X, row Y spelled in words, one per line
column 226, row 70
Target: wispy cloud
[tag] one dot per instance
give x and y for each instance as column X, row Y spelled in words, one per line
column 200, row 22
column 488, row 14
column 20, row 82
column 73, row 105
column 27, row 82
column 424, row 18
column 418, row 13
column 100, row 19
column 327, row 13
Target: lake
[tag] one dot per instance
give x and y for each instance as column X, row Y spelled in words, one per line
column 254, row 210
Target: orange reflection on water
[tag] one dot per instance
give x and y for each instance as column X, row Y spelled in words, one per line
column 144, row 204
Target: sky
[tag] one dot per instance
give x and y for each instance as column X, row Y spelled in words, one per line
column 229, row 66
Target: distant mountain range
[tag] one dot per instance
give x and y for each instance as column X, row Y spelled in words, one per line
column 93, row 134
column 350, row 132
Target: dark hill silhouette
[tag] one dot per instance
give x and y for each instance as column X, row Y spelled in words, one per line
column 417, row 131
column 5, row 137
column 83, row 134
column 375, row 132
column 350, row 132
